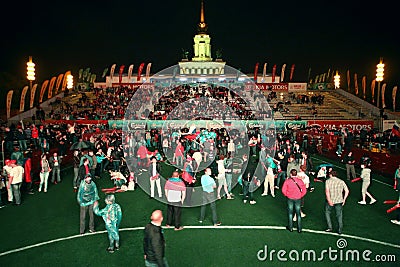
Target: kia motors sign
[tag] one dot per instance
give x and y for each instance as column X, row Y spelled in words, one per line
column 281, row 87
column 355, row 125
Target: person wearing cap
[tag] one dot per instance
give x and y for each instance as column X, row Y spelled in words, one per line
column 44, row 172
column 154, row 171
column 112, row 215
column 87, row 195
column 6, row 174
column 15, row 181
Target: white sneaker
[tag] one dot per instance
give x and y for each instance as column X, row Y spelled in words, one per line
column 245, row 201
column 362, row 202
column 252, row 202
column 372, row 201
column 264, row 194
column 395, row 222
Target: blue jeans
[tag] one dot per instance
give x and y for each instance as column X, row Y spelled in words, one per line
column 56, row 172
column 247, row 195
column 22, row 145
column 116, row 165
column 281, row 175
column 153, row 264
column 16, row 190
column 339, row 215
column 228, row 177
column 294, row 206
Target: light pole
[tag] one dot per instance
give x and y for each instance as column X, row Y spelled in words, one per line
column 30, row 72
column 70, row 81
column 336, row 80
column 379, row 78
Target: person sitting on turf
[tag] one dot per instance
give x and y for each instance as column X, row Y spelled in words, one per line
column 118, row 177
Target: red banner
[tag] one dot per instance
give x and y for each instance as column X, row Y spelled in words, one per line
column 273, row 73
column 121, row 70
column 291, row 72
column 256, row 72
column 44, row 85
column 22, row 100
column 353, row 125
column 139, row 73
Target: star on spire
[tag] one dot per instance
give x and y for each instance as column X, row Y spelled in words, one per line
column 202, row 26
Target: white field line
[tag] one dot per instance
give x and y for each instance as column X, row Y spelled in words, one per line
column 204, row 227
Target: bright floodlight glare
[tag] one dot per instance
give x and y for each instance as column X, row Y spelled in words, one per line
column 337, row 80
column 379, row 71
column 30, row 70
column 70, row 81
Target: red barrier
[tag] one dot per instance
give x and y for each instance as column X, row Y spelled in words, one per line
column 71, row 122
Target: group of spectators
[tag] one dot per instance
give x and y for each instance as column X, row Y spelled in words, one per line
column 282, row 162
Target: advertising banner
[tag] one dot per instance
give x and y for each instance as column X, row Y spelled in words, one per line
column 355, row 125
column 297, row 87
column 282, row 87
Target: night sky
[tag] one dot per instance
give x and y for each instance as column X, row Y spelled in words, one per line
column 70, row 35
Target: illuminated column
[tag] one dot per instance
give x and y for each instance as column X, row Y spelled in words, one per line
column 30, row 74
column 70, row 82
column 337, row 80
column 379, row 78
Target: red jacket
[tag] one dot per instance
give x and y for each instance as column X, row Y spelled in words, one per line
column 293, row 191
column 35, row 133
column 27, row 170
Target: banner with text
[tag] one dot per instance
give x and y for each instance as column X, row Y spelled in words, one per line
column 268, row 86
column 339, row 124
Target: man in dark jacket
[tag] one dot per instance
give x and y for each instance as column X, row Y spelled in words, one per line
column 154, row 242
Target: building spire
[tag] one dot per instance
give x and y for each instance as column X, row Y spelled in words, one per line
column 202, row 26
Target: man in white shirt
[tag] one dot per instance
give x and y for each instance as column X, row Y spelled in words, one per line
column 15, row 181
column 6, row 174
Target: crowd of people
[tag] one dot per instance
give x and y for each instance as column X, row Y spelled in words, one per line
column 214, row 159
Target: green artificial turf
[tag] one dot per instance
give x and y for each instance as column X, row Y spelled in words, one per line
column 54, row 215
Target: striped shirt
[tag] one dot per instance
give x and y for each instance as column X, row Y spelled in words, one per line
column 336, row 188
